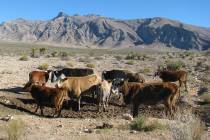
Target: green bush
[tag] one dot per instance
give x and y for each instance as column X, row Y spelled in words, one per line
column 15, row 129
column 130, row 62
column 205, row 97
column 90, row 65
column 174, row 65
column 42, row 51
column 24, row 57
column 140, row 124
column 34, row 53
column 43, row 66
column 70, row 63
column 118, row 57
column 54, row 54
column 64, row 55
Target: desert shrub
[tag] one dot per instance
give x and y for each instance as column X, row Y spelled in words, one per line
column 130, row 62
column 140, row 124
column 99, row 58
column 187, row 126
column 64, row 55
column 146, row 70
column 174, row 65
column 54, row 54
column 205, row 97
column 207, row 53
column 15, row 129
column 84, row 59
column 133, row 56
column 118, row 57
column 43, row 66
column 70, row 63
column 90, row 65
column 34, row 53
column 24, row 57
column 42, row 51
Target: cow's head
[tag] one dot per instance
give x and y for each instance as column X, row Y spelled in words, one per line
column 55, row 76
column 103, row 75
column 116, row 83
column 62, row 84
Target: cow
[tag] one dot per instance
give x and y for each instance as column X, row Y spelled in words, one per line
column 70, row 72
column 47, row 95
column 126, row 75
column 149, row 94
column 37, row 77
column 103, row 90
column 76, row 86
column 173, row 76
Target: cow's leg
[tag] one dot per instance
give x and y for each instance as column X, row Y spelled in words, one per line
column 135, row 109
column 41, row 108
column 37, row 106
column 185, row 83
column 78, row 101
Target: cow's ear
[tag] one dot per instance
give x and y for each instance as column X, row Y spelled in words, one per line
column 62, row 76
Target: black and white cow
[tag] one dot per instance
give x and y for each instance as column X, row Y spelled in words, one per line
column 70, row 72
column 122, row 74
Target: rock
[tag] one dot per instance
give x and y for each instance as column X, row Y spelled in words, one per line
column 60, row 126
column 104, row 126
column 6, row 118
column 127, row 117
column 88, row 130
column 133, row 131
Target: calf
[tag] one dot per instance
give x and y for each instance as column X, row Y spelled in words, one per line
column 44, row 95
column 173, row 76
column 149, row 94
column 37, row 77
column 103, row 91
column 70, row 72
column 126, row 75
column 78, row 85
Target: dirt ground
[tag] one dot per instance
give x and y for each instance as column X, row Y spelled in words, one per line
column 72, row 124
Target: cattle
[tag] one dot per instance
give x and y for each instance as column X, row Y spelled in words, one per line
column 173, row 76
column 47, row 95
column 70, row 72
column 149, row 94
column 78, row 85
column 126, row 75
column 103, row 91
column 37, row 77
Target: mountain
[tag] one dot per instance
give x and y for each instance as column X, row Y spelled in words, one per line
column 107, row 32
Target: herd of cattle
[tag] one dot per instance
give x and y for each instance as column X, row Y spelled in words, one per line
column 72, row 83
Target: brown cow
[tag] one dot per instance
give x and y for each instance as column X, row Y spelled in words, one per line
column 78, row 85
column 38, row 78
column 173, row 76
column 149, row 94
column 44, row 95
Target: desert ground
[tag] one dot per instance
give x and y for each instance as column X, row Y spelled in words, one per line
column 191, row 121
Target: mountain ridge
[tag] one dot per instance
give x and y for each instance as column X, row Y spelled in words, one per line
column 107, row 32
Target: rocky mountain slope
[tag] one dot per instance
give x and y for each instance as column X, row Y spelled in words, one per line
column 106, row 32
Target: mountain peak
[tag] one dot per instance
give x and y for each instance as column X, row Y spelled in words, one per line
column 61, row 14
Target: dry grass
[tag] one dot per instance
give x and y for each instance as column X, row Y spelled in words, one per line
column 24, row 57
column 90, row 65
column 205, row 97
column 187, row 126
column 15, row 129
column 43, row 66
column 141, row 124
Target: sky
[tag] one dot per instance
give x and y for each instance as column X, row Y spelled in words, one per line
column 195, row 12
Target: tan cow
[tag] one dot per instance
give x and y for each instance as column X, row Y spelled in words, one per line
column 78, row 85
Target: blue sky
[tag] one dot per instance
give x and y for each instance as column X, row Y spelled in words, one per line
column 196, row 12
